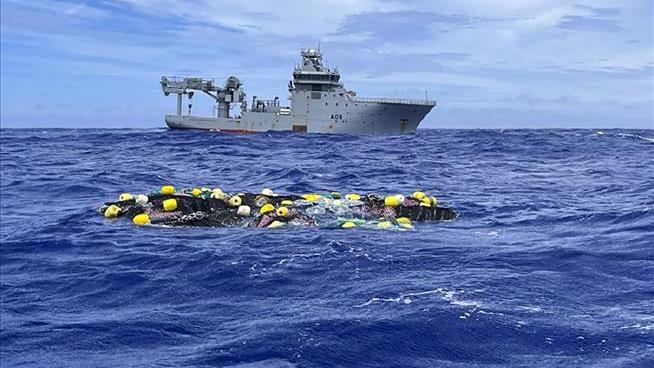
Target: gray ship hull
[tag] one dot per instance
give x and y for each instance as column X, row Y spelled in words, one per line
column 369, row 118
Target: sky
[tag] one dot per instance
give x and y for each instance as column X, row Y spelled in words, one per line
column 488, row 63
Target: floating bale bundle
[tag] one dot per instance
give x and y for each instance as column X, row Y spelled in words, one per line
column 205, row 207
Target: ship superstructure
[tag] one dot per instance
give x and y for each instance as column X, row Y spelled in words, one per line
column 319, row 104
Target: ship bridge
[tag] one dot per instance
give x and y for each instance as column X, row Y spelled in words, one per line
column 312, row 71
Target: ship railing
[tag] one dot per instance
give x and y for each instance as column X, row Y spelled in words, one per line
column 178, row 79
column 188, row 82
column 174, row 84
column 398, row 101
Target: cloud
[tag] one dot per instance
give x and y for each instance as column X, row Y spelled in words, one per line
column 405, row 25
column 599, row 12
column 265, row 18
column 473, row 57
column 580, row 23
column 599, row 20
column 394, row 26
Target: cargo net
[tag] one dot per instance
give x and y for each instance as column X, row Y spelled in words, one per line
column 204, row 207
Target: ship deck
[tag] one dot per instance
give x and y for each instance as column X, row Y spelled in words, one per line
column 396, row 101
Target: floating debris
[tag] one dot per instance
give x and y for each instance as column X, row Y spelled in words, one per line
column 207, row 207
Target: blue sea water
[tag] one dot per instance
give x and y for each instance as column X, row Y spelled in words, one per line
column 550, row 263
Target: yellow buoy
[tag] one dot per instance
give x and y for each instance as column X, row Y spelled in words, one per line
column 276, row 224
column 170, row 205
column 217, row 194
column 384, row 224
column 125, row 197
column 282, row 212
column 112, row 211
column 311, row 197
column 419, row 195
column 352, row 197
column 425, row 202
column 196, row 192
column 403, row 220
column 434, row 201
column 391, row 201
column 235, row 201
column 348, row 224
column 266, row 208
column 243, row 211
column 141, row 219
column 167, row 190
column 287, row 202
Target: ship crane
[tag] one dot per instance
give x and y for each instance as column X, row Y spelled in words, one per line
column 230, row 93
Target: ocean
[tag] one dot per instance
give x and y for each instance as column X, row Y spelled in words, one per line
column 549, row 264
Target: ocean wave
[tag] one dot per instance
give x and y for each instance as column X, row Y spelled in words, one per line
column 549, row 263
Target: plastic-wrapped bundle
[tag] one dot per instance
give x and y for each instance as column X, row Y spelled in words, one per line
column 214, row 208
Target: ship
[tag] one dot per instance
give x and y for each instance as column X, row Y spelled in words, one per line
column 319, row 103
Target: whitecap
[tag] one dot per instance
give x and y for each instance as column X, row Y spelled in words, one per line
column 638, row 326
column 529, row 308
column 445, row 295
column 636, row 136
